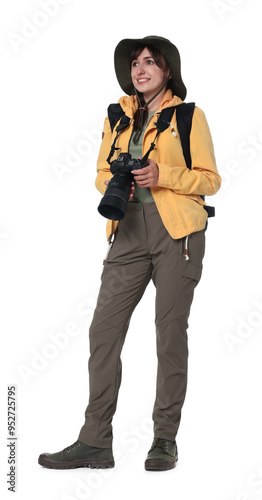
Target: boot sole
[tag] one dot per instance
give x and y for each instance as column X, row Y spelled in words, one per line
column 74, row 464
column 156, row 464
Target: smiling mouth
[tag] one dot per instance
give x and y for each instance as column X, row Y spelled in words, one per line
column 143, row 80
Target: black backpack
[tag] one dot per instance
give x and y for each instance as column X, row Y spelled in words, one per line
column 184, row 115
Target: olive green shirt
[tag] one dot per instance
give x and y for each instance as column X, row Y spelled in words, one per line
column 141, row 195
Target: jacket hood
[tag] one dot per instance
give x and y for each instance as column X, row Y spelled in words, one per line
column 129, row 104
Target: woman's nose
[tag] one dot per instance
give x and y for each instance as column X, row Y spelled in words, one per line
column 140, row 70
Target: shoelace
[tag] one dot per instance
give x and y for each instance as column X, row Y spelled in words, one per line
column 160, row 443
column 72, row 447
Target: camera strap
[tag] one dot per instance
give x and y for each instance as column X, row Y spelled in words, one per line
column 115, row 112
column 162, row 124
column 122, row 125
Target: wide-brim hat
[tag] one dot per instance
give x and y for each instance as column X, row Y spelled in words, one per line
column 122, row 65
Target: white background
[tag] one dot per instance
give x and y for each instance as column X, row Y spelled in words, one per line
column 56, row 84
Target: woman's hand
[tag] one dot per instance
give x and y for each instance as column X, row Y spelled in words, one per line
column 147, row 176
column 132, row 189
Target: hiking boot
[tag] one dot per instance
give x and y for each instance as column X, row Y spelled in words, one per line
column 162, row 455
column 78, row 455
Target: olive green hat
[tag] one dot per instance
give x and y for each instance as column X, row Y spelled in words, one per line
column 122, row 67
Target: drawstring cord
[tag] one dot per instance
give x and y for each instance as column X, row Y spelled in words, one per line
column 110, row 241
column 143, row 109
column 173, row 132
column 186, row 253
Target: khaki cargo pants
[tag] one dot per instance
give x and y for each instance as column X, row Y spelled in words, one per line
column 142, row 250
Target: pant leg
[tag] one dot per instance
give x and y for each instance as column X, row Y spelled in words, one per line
column 126, row 274
column 175, row 280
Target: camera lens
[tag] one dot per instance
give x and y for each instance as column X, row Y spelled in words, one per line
column 114, row 202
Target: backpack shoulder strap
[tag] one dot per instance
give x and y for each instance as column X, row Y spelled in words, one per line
column 164, row 119
column 184, row 116
column 114, row 112
column 162, row 124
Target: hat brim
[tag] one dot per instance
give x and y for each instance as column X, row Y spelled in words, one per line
column 122, row 67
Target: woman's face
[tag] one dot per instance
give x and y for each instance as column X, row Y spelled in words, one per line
column 146, row 76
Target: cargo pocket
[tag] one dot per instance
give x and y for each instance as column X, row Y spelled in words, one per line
column 189, row 279
column 194, row 251
column 191, row 271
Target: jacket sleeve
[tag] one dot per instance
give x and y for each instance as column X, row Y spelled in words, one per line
column 103, row 168
column 203, row 178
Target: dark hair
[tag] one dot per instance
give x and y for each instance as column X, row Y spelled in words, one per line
column 161, row 61
column 158, row 56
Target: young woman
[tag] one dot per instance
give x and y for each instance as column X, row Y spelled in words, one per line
column 161, row 237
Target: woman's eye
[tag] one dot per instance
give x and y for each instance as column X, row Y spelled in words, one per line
column 134, row 64
column 150, row 61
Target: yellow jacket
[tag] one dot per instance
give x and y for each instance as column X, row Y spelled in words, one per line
column 178, row 192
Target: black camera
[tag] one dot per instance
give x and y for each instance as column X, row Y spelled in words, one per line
column 114, row 202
